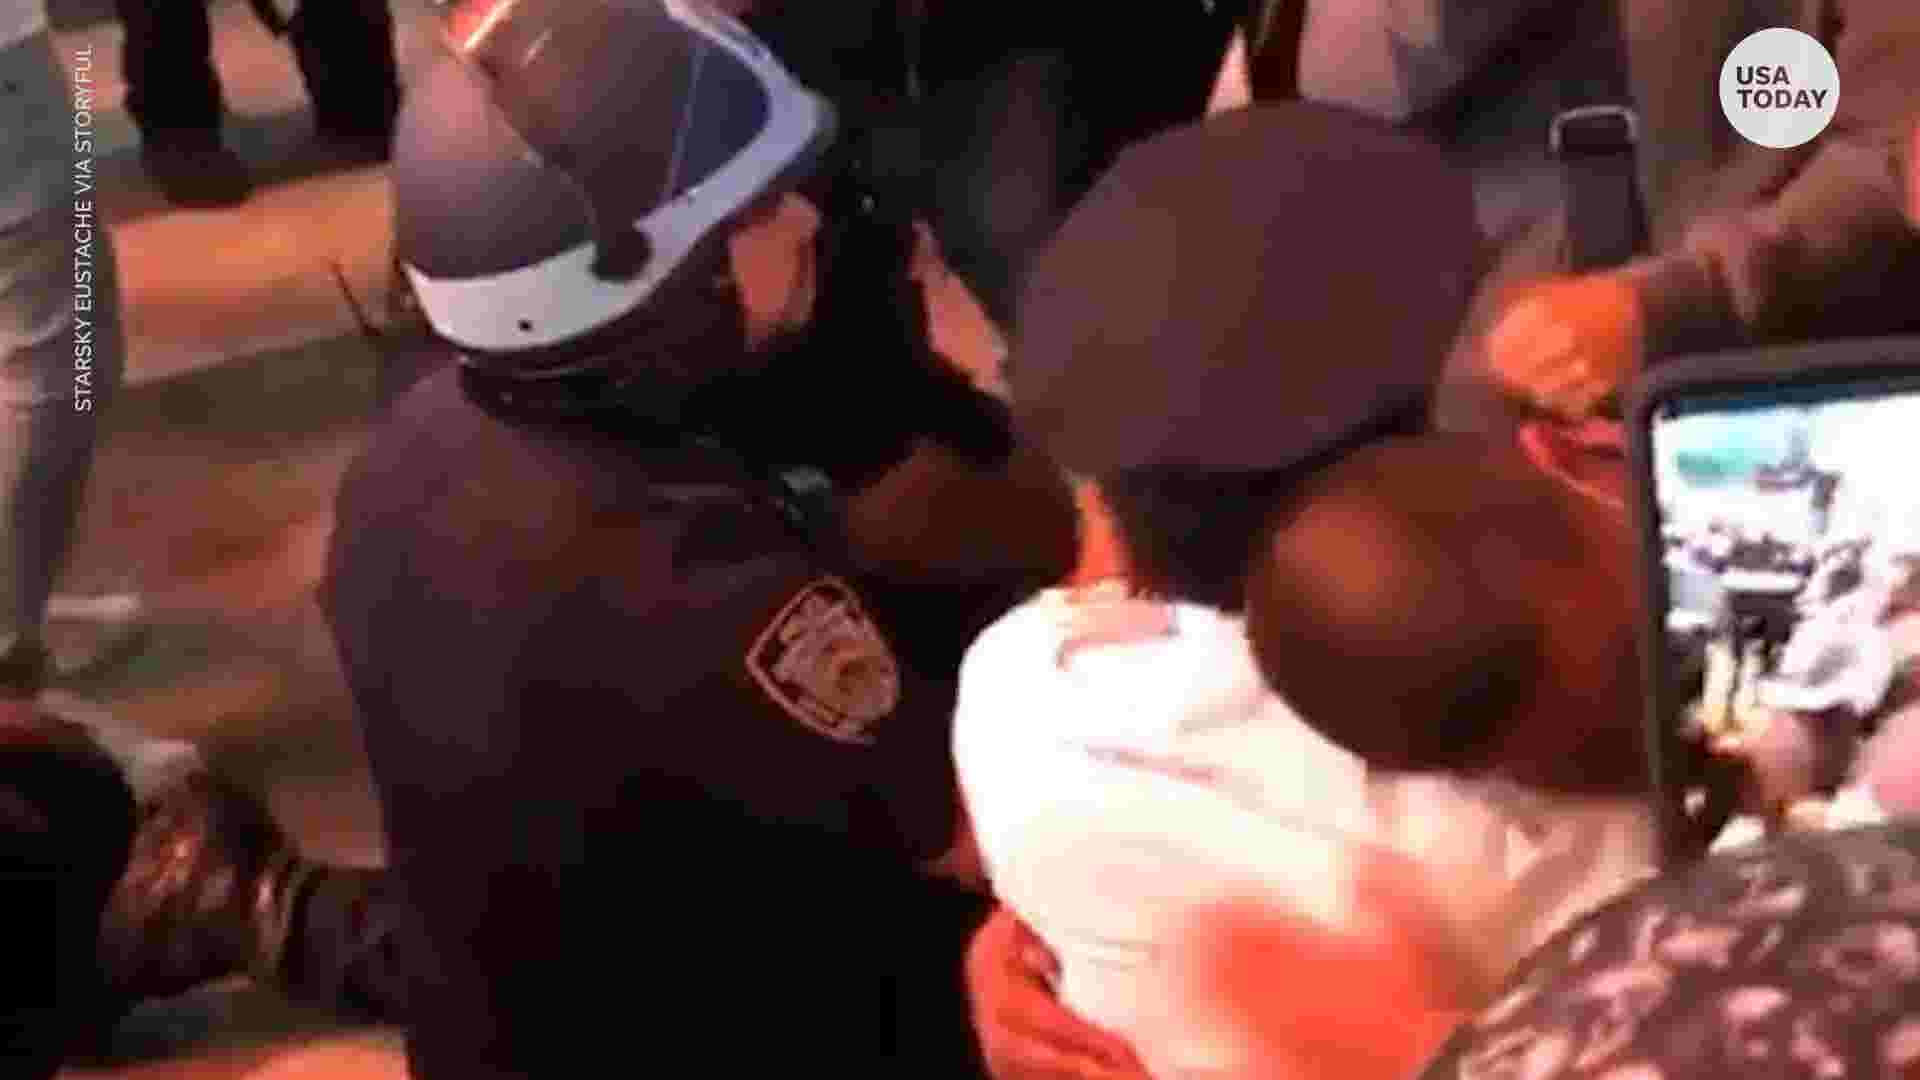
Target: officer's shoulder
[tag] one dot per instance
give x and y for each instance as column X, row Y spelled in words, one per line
column 439, row 462
column 432, row 412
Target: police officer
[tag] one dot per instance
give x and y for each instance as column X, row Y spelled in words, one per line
column 652, row 601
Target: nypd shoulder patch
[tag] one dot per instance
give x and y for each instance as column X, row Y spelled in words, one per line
column 824, row 662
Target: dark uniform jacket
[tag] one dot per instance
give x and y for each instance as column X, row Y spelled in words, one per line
column 656, row 763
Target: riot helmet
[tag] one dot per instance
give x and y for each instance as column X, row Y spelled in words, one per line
column 572, row 157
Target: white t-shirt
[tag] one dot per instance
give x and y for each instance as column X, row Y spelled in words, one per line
column 20, row 20
column 1117, row 788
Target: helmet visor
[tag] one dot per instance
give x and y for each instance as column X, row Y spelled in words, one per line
column 665, row 117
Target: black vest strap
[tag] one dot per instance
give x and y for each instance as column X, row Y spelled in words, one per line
column 1596, row 138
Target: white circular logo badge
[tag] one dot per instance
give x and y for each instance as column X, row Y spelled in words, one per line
column 1779, row 88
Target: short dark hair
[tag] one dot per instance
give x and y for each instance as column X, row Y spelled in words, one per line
column 1192, row 532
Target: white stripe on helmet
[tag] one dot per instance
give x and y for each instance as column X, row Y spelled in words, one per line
column 559, row 298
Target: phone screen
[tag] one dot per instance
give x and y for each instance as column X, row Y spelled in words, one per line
column 1789, row 536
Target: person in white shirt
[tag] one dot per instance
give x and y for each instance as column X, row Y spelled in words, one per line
column 1123, row 764
column 1123, row 761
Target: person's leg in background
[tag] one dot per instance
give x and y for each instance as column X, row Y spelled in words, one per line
column 1027, row 110
column 199, row 883
column 1143, row 76
column 999, row 150
column 1019, row 110
column 61, row 356
column 345, row 50
column 173, row 95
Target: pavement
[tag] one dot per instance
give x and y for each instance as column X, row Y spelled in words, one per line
column 249, row 385
column 249, row 388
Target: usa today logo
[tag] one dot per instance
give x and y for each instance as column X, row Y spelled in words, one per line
column 1779, row 88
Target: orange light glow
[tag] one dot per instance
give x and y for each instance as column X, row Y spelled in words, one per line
column 469, row 22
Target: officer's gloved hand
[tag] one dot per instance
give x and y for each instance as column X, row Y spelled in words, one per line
column 209, row 890
column 938, row 518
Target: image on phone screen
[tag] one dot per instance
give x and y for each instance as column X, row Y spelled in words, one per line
column 1789, row 533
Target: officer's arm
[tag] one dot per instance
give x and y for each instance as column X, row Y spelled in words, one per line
column 940, row 518
column 748, row 667
column 1826, row 255
column 818, row 662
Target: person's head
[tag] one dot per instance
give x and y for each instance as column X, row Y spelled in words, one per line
column 1189, row 534
column 608, row 186
column 1236, row 303
column 1438, row 603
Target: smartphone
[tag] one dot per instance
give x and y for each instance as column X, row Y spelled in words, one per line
column 1778, row 502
